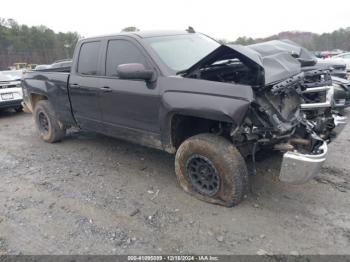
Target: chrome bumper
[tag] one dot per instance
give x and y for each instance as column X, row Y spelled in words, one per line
column 299, row 168
column 339, row 123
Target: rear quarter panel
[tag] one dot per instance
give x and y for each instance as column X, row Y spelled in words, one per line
column 52, row 85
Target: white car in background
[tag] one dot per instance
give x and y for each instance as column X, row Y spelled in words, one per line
column 344, row 57
column 11, row 95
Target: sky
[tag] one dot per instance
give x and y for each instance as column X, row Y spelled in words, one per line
column 221, row 19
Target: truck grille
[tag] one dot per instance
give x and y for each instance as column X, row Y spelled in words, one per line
column 324, row 97
column 4, row 85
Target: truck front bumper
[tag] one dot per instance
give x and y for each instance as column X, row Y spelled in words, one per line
column 339, row 123
column 10, row 104
column 298, row 168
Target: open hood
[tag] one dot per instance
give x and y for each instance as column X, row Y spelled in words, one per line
column 277, row 66
column 272, row 68
column 277, row 46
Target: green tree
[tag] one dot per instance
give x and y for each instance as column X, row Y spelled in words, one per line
column 338, row 39
column 36, row 44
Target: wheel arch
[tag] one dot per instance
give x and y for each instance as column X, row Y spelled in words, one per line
column 179, row 123
column 35, row 98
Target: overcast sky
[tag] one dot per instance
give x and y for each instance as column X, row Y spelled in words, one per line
column 224, row 19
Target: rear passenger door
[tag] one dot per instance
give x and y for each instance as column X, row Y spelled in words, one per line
column 84, row 86
column 130, row 105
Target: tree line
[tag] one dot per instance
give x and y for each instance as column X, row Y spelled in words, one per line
column 338, row 39
column 35, row 44
column 41, row 45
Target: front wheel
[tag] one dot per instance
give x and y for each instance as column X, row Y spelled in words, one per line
column 212, row 169
column 47, row 124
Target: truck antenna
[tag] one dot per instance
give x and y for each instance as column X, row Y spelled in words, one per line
column 190, row 30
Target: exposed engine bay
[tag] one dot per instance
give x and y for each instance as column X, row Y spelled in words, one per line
column 232, row 71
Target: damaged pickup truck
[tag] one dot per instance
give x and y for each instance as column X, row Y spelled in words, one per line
column 213, row 105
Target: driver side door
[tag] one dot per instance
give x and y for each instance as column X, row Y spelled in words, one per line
column 129, row 107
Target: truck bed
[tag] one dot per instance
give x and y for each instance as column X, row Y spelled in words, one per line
column 53, row 85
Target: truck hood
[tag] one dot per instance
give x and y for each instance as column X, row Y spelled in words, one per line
column 10, row 75
column 272, row 68
column 277, row 46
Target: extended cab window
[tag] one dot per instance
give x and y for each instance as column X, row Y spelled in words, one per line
column 122, row 52
column 88, row 58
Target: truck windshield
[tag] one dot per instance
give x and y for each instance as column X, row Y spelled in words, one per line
column 180, row 52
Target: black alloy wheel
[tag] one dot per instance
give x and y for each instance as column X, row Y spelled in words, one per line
column 203, row 175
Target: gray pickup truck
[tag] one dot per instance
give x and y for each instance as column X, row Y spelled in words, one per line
column 212, row 105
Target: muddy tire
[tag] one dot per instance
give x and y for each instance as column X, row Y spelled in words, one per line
column 46, row 123
column 210, row 168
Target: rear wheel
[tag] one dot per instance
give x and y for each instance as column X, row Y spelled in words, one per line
column 47, row 124
column 212, row 169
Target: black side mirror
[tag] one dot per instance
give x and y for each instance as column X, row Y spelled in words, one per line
column 135, row 71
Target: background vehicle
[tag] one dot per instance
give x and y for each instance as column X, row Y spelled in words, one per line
column 341, row 92
column 10, row 89
column 41, row 67
column 22, row 66
column 59, row 66
column 18, row 66
column 184, row 93
column 344, row 58
column 337, row 68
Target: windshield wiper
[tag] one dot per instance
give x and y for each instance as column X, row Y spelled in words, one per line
column 223, row 63
column 181, row 71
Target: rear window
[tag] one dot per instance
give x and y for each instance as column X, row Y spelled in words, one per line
column 88, row 58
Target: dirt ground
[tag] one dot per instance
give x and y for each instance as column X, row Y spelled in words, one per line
column 91, row 194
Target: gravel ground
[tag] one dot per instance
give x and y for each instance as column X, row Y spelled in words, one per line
column 91, row 194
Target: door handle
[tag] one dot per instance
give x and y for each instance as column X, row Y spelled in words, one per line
column 75, row 85
column 106, row 89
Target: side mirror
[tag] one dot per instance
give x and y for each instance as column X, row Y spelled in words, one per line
column 135, row 71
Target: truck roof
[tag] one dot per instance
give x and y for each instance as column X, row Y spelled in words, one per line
column 143, row 34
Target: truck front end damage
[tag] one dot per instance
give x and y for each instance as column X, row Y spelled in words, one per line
column 321, row 121
column 278, row 121
column 292, row 111
column 305, row 151
column 302, row 142
column 321, row 105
